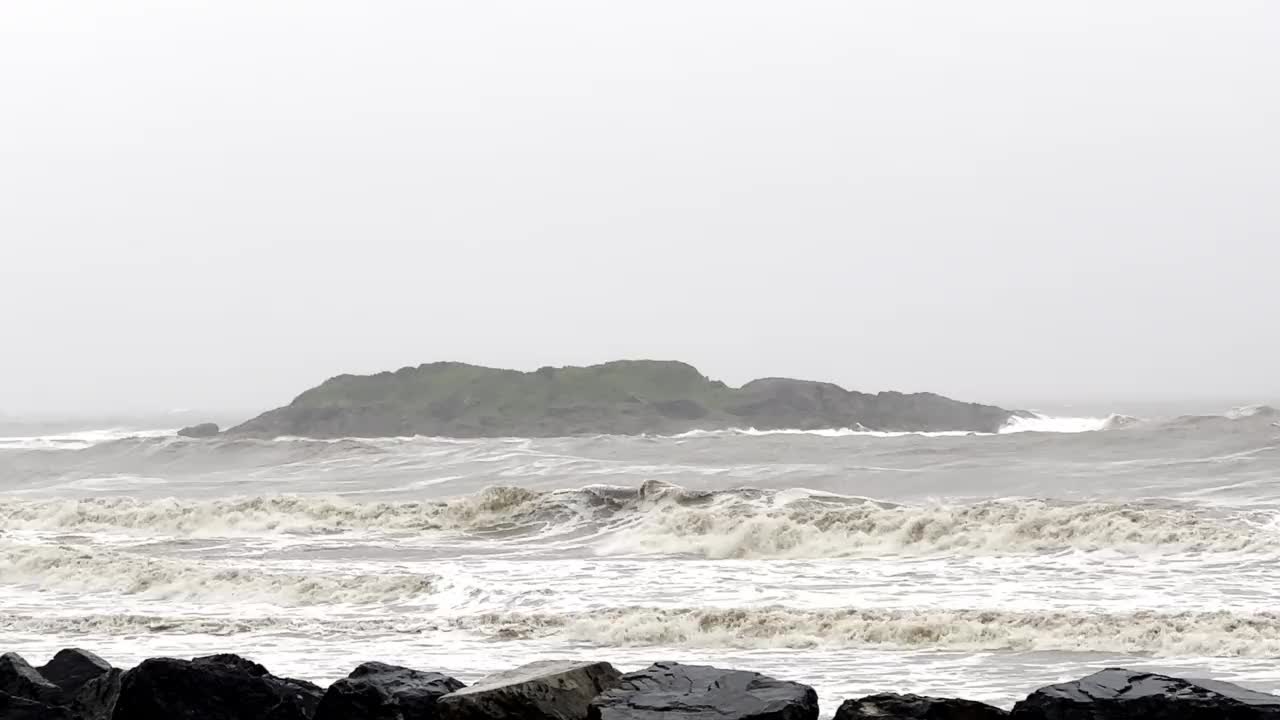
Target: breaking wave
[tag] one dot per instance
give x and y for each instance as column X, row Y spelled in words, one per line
column 1203, row 634
column 66, row 568
column 662, row 519
column 1049, row 424
column 1217, row 634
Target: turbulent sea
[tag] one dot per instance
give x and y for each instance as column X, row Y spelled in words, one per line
column 980, row 566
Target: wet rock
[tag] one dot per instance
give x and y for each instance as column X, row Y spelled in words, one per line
column 71, row 669
column 547, row 690
column 1118, row 694
column 19, row 679
column 203, row 430
column 375, row 691
column 96, row 699
column 16, row 708
column 688, row 692
column 220, row 687
column 916, row 707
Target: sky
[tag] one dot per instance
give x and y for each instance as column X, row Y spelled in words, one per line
column 219, row 204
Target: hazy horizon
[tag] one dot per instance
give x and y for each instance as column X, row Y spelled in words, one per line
column 218, row 207
column 226, row 415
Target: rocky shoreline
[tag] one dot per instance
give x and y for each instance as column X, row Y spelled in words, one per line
column 78, row 685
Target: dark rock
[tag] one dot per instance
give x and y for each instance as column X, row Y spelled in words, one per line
column 548, row 690
column 19, row 679
column 916, row 707
column 1118, row 694
column 627, row 397
column 688, row 692
column 220, row 687
column 375, row 691
column 96, row 699
column 203, row 430
column 16, row 708
column 243, row 664
column 349, row 699
column 71, row 669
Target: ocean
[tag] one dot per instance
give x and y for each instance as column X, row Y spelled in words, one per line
column 980, row 566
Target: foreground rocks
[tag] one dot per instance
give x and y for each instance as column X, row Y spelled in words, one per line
column 78, row 685
column 917, row 707
column 1117, row 694
column 627, row 397
column 385, row 692
column 75, row 685
column 549, row 690
column 219, row 687
column 666, row 690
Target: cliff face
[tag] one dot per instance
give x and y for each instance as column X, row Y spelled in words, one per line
column 625, row 397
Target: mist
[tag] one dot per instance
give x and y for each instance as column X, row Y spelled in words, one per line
column 217, row 205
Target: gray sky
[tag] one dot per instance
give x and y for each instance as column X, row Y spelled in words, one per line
column 218, row 204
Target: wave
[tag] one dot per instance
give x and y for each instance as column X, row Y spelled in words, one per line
column 292, row 624
column 1240, row 418
column 1201, row 634
column 1051, row 424
column 66, row 568
column 662, row 519
column 80, row 440
column 1220, row 634
column 773, row 526
column 1252, row 411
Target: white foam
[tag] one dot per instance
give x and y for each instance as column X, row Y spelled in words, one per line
column 663, row 519
column 1167, row 634
column 78, row 569
column 823, row 432
column 79, row 440
column 1050, row 424
column 773, row 525
column 1213, row 634
column 1248, row 411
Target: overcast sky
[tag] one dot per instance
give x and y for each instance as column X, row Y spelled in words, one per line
column 217, row 204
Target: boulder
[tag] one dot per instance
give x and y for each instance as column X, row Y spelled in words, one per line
column 16, row 708
column 203, row 430
column 71, row 669
column 375, row 691
column 547, row 690
column 1118, row 694
column 891, row 706
column 672, row 691
column 19, row 679
column 96, row 699
column 219, row 687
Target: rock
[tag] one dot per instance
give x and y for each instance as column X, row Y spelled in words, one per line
column 916, row 707
column 626, row 397
column 71, row 669
column 96, row 699
column 1118, row 694
column 19, row 679
column 203, row 430
column 688, row 692
column 375, row 691
column 220, row 687
column 547, row 690
column 16, row 708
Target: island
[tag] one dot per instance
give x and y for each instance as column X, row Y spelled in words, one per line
column 625, row 397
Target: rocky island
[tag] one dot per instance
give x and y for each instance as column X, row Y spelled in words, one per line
column 628, row 397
